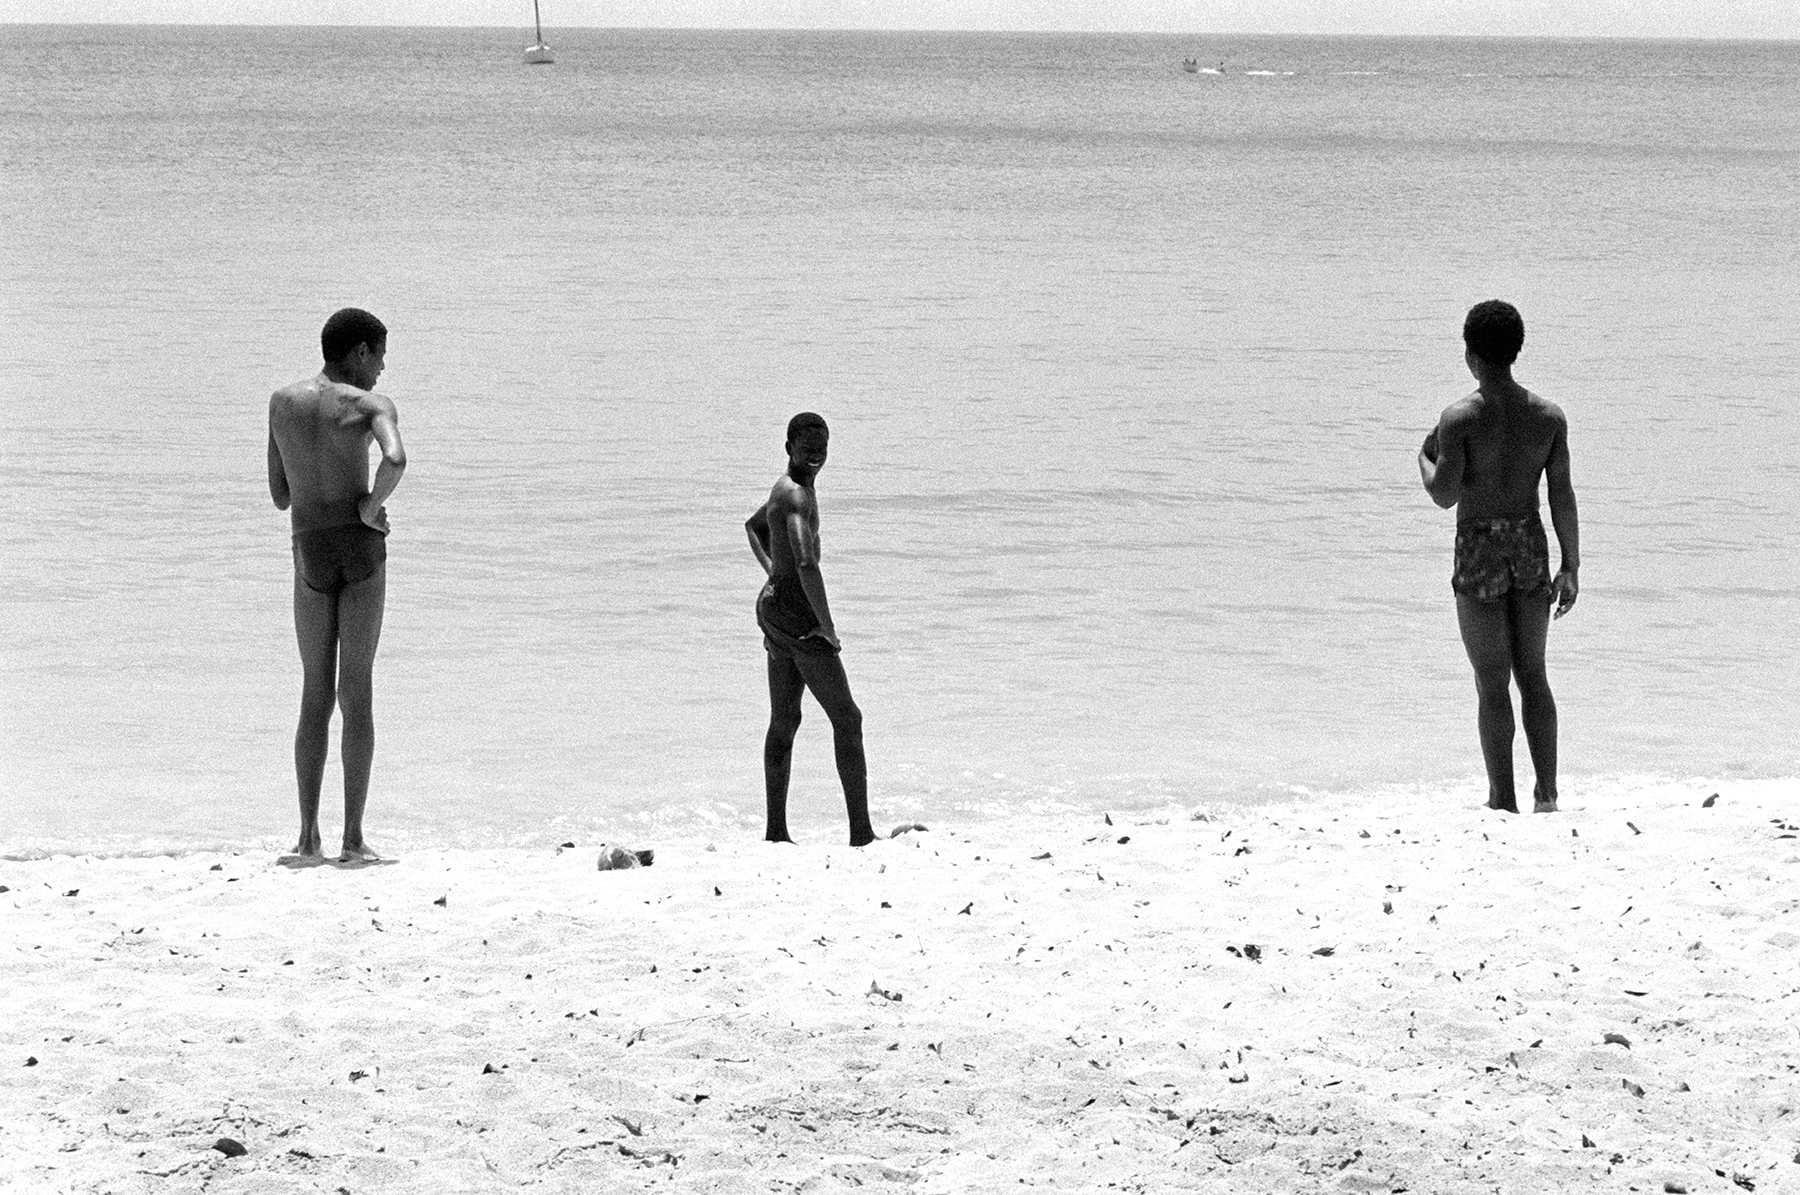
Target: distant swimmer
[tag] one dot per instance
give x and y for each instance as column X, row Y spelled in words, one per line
column 799, row 636
column 1485, row 458
column 319, row 436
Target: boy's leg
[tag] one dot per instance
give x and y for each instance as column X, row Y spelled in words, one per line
column 359, row 612
column 831, row 687
column 1529, row 618
column 1487, row 637
column 785, row 689
column 315, row 629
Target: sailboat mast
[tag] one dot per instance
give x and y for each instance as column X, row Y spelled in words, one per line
column 538, row 21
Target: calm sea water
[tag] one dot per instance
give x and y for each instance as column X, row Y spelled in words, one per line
column 1125, row 367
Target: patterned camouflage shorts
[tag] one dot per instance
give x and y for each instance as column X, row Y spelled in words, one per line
column 1494, row 556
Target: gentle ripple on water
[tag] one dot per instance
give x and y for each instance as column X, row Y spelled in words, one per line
column 1126, row 371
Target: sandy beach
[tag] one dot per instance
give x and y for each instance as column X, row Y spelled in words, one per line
column 1403, row 994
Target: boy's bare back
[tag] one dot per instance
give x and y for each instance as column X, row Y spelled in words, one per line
column 322, row 430
column 1499, row 445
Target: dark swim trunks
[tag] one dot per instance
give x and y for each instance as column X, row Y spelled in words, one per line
column 1494, row 556
column 786, row 619
column 328, row 559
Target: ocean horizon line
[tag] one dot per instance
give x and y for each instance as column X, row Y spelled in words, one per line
column 1572, row 39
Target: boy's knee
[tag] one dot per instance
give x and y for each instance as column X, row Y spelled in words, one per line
column 784, row 724
column 316, row 705
column 356, row 686
column 1493, row 685
column 1534, row 688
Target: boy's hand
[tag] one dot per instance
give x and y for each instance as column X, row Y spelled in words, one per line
column 1563, row 591
column 372, row 513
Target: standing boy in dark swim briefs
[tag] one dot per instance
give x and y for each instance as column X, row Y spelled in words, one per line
column 319, row 436
column 798, row 635
column 1485, row 458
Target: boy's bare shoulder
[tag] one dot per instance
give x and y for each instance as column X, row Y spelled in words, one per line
column 296, row 403
column 789, row 494
column 352, row 406
column 293, row 393
column 318, row 399
column 1463, row 411
column 372, row 403
column 1547, row 410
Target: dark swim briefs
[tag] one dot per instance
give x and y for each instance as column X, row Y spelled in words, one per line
column 1494, row 556
column 787, row 619
column 329, row 559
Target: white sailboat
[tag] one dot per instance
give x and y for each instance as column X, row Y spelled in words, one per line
column 538, row 54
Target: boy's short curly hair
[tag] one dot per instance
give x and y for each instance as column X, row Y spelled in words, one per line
column 348, row 328
column 1494, row 331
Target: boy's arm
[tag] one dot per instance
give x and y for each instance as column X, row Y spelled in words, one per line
column 1566, row 587
column 385, row 427
column 757, row 528
column 1441, row 462
column 278, row 482
column 812, row 581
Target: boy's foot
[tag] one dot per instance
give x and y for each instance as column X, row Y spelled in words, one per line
column 306, row 852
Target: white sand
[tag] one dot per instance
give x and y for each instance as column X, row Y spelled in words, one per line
column 708, row 1025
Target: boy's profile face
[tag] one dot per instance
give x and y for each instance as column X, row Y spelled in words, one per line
column 367, row 361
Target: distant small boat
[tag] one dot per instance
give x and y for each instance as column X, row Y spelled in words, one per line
column 1190, row 65
column 538, row 54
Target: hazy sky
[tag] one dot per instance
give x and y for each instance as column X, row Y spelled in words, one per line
column 1604, row 18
